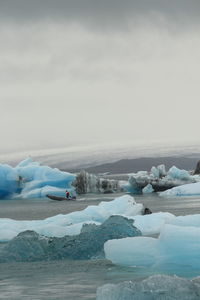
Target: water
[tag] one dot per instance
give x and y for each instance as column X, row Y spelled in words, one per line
column 74, row 279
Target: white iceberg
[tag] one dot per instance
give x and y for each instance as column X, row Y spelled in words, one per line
column 191, row 189
column 61, row 225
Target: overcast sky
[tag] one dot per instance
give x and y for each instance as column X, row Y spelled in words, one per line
column 92, row 72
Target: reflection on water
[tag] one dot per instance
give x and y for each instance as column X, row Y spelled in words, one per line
column 76, row 279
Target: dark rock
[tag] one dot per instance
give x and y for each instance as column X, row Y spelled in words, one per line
column 147, row 211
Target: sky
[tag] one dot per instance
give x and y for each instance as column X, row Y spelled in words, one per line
column 87, row 72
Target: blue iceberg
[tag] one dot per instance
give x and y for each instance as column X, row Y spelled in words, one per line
column 31, row 180
column 30, row 246
column 177, row 246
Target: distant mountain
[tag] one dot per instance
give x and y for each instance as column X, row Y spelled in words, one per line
column 124, row 166
column 124, row 158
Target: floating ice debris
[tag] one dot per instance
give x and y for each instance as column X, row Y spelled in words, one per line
column 191, row 189
column 176, row 245
column 30, row 246
column 60, row 225
column 157, row 287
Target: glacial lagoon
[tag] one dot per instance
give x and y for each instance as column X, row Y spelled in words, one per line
column 68, row 279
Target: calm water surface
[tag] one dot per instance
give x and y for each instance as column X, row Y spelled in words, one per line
column 74, row 279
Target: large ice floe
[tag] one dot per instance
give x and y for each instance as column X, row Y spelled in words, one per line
column 70, row 224
column 157, row 287
column 30, row 246
column 158, row 180
column 30, row 180
column 176, row 246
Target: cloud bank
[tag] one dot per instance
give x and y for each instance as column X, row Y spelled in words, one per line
column 75, row 72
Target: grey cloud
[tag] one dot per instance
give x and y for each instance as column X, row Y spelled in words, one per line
column 113, row 13
column 62, row 83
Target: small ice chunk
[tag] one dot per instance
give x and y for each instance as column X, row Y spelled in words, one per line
column 148, row 189
column 157, row 287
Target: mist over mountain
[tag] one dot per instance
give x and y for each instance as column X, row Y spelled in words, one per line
column 112, row 158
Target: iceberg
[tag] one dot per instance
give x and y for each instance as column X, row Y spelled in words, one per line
column 30, row 180
column 37, row 181
column 176, row 246
column 9, row 183
column 90, row 183
column 191, row 189
column 155, row 172
column 30, row 246
column 178, row 174
column 148, row 189
column 59, row 225
column 156, row 287
column 159, row 179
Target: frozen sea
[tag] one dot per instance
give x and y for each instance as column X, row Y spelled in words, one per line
column 75, row 279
